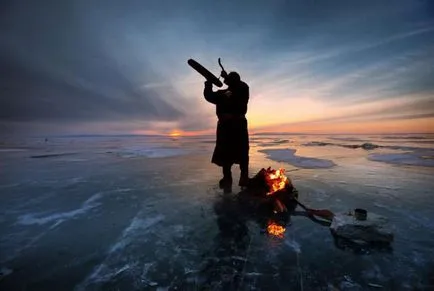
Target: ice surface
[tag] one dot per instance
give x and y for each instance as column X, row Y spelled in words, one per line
column 348, row 139
column 150, row 152
column 275, row 142
column 41, row 218
column 288, row 156
column 109, row 268
column 405, row 137
column 141, row 223
column 293, row 245
column 414, row 155
column 365, row 146
column 407, row 142
column 12, row 150
column 417, row 158
column 52, row 155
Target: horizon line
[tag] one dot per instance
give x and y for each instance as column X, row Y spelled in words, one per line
column 202, row 135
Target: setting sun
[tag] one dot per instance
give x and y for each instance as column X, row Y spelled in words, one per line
column 175, row 133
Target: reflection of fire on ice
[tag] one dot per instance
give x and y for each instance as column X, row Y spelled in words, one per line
column 276, row 193
column 275, row 229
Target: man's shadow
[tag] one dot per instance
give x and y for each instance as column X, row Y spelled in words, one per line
column 223, row 265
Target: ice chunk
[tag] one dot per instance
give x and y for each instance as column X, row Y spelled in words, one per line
column 374, row 229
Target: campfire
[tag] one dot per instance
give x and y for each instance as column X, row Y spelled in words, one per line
column 276, row 180
column 274, row 194
column 270, row 198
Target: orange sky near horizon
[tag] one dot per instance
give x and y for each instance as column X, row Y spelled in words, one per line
column 425, row 125
column 290, row 109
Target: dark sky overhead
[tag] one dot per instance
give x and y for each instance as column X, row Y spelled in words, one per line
column 120, row 66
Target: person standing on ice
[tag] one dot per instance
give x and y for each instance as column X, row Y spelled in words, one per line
column 232, row 145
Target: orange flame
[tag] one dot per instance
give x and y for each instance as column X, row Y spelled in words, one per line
column 276, row 180
column 275, row 229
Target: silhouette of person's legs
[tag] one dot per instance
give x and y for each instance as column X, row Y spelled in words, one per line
column 226, row 182
column 227, row 171
column 244, row 176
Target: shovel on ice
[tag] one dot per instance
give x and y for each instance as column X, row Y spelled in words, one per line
column 323, row 213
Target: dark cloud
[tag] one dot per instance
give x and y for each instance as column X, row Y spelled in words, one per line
column 34, row 96
column 55, row 70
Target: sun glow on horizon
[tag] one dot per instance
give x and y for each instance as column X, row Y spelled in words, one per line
column 175, row 133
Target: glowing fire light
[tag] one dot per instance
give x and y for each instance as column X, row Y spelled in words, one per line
column 276, row 180
column 275, row 229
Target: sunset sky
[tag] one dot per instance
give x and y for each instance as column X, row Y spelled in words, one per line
column 86, row 67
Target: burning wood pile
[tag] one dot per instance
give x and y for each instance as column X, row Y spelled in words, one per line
column 271, row 194
column 275, row 188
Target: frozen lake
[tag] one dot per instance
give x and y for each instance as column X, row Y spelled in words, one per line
column 145, row 213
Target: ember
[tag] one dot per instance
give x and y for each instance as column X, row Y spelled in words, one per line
column 275, row 229
column 276, row 180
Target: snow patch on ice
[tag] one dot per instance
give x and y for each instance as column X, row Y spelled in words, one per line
column 417, row 158
column 288, row 156
column 38, row 218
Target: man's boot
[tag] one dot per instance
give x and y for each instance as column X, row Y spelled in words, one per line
column 244, row 176
column 226, row 182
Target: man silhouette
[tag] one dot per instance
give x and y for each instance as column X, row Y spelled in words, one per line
column 232, row 145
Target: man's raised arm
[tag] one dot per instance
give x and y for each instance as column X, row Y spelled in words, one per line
column 209, row 94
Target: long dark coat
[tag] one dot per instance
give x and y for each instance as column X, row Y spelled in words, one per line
column 232, row 144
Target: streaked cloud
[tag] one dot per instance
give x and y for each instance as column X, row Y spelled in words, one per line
column 107, row 66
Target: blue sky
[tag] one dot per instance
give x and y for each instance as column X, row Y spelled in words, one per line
column 120, row 66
